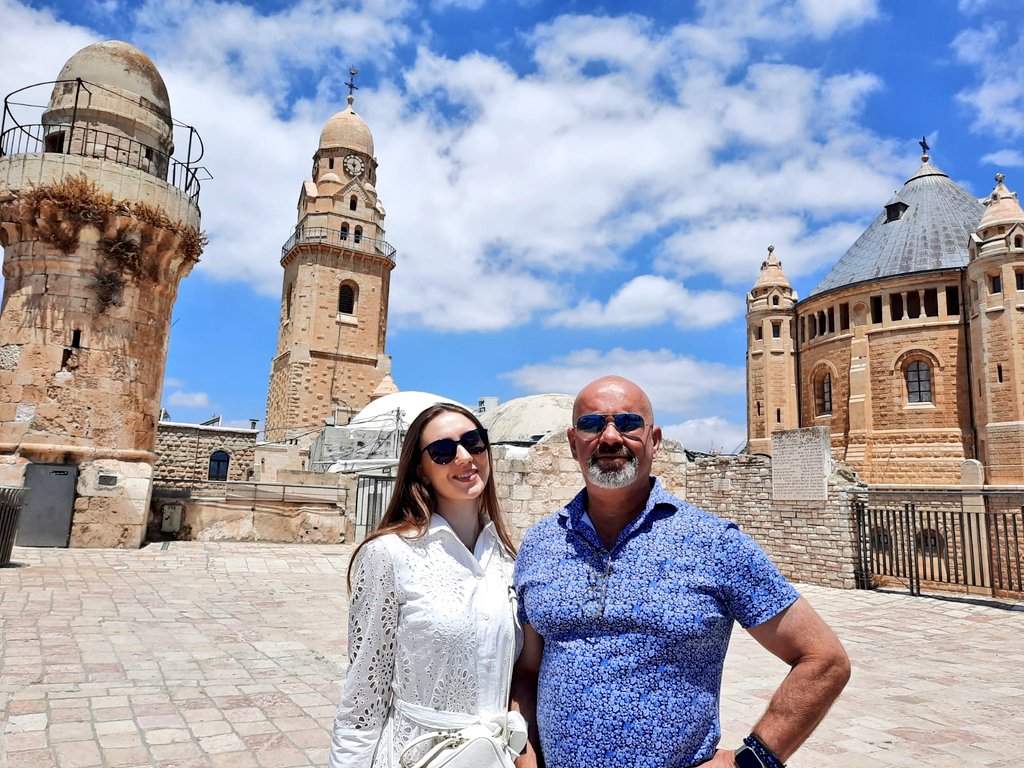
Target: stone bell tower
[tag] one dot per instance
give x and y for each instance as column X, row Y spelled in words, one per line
column 995, row 280
column 334, row 302
column 98, row 223
column 771, row 356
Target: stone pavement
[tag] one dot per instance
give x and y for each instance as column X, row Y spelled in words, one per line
column 229, row 655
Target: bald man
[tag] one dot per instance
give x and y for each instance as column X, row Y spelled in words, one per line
column 628, row 596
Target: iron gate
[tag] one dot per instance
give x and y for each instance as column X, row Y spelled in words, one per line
column 941, row 549
column 373, row 493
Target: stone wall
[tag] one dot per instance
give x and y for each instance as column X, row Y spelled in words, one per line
column 183, row 453
column 810, row 541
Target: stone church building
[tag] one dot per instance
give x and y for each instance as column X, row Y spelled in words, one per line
column 911, row 348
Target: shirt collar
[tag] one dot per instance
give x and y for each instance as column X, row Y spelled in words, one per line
column 487, row 541
column 575, row 517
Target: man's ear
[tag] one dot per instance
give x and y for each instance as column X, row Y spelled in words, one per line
column 571, row 434
column 655, row 440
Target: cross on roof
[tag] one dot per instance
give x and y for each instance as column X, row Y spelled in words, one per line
column 352, row 80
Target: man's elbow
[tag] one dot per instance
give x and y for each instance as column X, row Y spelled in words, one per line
column 838, row 670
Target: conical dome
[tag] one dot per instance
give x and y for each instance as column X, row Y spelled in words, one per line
column 347, row 130
column 771, row 272
column 925, row 226
column 1003, row 208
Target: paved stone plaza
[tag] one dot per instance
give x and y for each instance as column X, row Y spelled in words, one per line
column 230, row 654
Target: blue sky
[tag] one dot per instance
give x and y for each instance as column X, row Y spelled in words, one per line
column 573, row 188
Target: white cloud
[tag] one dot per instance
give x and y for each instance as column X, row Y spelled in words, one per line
column 1009, row 158
column 997, row 96
column 172, row 383
column 827, row 16
column 675, row 383
column 651, row 300
column 189, row 399
column 709, row 435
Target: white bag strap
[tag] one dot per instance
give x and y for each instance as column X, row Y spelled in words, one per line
column 513, row 604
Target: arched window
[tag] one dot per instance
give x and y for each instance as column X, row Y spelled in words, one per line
column 1018, row 241
column 347, row 299
column 359, row 234
column 823, row 392
column 775, row 301
column 288, row 301
column 352, row 203
column 919, row 382
column 219, row 461
column 344, row 231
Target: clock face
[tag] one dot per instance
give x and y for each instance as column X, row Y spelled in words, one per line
column 354, row 165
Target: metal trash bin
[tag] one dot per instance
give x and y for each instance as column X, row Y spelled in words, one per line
column 11, row 500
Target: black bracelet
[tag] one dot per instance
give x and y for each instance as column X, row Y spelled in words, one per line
column 764, row 754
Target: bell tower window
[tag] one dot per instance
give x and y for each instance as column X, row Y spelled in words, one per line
column 347, row 299
column 352, row 202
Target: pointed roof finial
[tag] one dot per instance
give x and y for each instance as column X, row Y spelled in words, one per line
column 771, row 249
column 999, row 178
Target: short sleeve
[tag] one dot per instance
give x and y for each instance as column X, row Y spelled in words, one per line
column 751, row 585
column 372, row 629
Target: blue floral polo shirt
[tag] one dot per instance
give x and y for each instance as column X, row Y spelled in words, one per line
column 635, row 638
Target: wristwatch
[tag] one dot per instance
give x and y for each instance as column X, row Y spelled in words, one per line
column 745, row 757
column 754, row 754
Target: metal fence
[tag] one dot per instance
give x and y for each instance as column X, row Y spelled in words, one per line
column 342, row 238
column 373, row 493
column 968, row 544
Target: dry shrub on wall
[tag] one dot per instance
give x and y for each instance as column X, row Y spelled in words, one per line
column 83, row 204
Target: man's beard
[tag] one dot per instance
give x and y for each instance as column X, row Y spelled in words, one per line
column 612, row 478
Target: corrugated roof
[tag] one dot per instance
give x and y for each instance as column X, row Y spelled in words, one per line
column 932, row 233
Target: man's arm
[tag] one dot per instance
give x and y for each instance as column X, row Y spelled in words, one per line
column 524, row 694
column 819, row 669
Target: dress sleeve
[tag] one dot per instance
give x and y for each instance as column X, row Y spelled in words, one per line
column 372, row 629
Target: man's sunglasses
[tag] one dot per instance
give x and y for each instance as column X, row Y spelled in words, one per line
column 594, row 423
column 443, row 451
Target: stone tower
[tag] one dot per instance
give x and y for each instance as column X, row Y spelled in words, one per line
column 334, row 303
column 995, row 286
column 99, row 224
column 771, row 356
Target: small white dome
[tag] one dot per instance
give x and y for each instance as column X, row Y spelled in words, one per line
column 398, row 408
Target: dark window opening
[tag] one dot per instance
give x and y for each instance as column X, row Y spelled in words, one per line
column 344, row 231
column 148, row 151
column 930, row 543
column 876, row 309
column 881, row 539
column 330, row 163
column 952, row 300
column 844, row 317
column 896, row 306
column 775, row 301
column 813, row 320
column 1018, row 241
column 831, row 320
column 997, row 283
column 54, row 142
column 219, row 461
column 1020, row 281
column 999, row 372
column 288, row 302
column 913, row 305
column 358, row 235
column 352, row 203
column 822, row 324
column 346, row 299
column 776, row 329
column 824, row 394
column 919, row 382
column 76, row 339
column 65, row 358
column 778, row 415
column 895, row 211
column 931, row 302
column 757, row 333
column 803, row 329
column 758, row 407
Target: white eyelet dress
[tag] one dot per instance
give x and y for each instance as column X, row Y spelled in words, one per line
column 431, row 634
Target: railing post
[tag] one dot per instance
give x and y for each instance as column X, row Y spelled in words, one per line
column 972, row 479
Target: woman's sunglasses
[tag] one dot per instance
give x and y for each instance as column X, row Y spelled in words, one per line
column 594, row 423
column 443, row 451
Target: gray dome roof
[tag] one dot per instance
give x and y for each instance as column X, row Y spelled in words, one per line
column 932, row 232
column 119, row 65
column 528, row 419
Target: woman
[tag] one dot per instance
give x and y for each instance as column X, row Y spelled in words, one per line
column 431, row 625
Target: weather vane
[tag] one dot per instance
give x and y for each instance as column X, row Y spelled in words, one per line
column 924, row 145
column 352, row 80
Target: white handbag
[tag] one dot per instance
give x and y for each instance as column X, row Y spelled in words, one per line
column 480, row 745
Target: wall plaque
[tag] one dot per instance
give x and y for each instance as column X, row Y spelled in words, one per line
column 801, row 461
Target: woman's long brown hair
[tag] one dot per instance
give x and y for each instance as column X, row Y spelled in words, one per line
column 413, row 502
